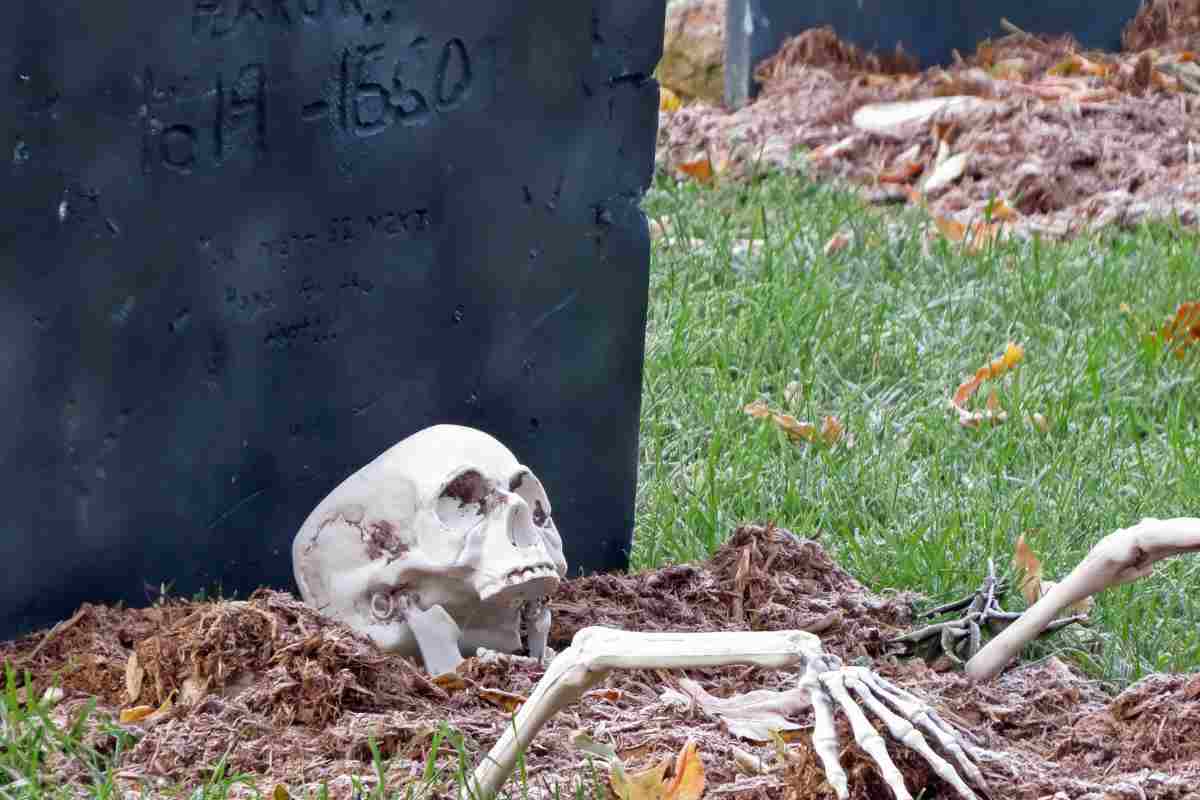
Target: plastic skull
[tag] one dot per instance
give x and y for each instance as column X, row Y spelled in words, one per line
column 443, row 544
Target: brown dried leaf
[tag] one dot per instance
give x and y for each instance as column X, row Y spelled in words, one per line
column 1033, row 585
column 832, row 430
column 1012, row 356
column 135, row 714
column 700, row 170
column 1025, row 562
column 280, row 793
column 686, row 781
column 507, row 701
column 450, row 681
column 1183, row 329
column 902, row 173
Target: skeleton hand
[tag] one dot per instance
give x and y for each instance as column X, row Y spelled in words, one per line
column 827, row 682
column 594, row 652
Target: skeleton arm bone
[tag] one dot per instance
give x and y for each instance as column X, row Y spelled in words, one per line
column 1120, row 557
column 596, row 651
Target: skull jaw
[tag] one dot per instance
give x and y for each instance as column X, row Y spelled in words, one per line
column 495, row 623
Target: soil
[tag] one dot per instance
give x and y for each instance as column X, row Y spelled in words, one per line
column 1070, row 140
column 289, row 697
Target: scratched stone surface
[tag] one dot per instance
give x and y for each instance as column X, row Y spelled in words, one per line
column 247, row 245
column 930, row 30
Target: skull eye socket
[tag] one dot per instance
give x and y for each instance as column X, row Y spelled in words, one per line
column 529, row 489
column 461, row 505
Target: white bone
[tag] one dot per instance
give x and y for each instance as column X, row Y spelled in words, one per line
column 446, row 518
column 1120, row 557
column 902, row 726
column 824, row 736
column 865, row 734
column 920, row 714
column 595, row 652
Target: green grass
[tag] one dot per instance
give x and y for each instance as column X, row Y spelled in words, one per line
column 880, row 334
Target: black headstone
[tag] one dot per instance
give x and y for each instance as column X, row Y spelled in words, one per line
column 929, row 30
column 247, row 245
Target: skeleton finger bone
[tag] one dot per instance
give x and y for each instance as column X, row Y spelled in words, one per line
column 1120, row 557
column 903, row 727
column 596, row 651
column 865, row 734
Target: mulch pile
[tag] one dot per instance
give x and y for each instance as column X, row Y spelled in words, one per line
column 282, row 694
column 1070, row 140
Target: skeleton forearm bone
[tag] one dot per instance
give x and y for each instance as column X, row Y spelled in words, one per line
column 594, row 652
column 1120, row 557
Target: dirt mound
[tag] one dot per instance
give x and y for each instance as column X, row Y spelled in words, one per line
column 273, row 690
column 763, row 578
column 1069, row 140
column 821, row 47
column 1166, row 24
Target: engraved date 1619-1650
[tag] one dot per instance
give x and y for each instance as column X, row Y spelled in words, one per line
column 192, row 123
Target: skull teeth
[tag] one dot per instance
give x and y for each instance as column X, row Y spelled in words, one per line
column 516, row 577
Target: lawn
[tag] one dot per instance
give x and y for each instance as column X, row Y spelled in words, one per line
column 879, row 334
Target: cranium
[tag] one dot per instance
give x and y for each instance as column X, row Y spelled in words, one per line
column 443, row 544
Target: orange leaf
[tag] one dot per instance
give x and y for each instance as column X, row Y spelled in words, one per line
column 505, row 700
column 1025, row 562
column 902, row 173
column 953, row 230
column 831, row 432
column 685, row 783
column 1183, row 329
column 450, row 681
column 608, row 695
column 1076, row 64
column 135, row 714
column 688, row 781
column 758, row 409
column 700, row 170
column 1033, row 585
column 1008, row 360
column 1002, row 211
column 795, row 429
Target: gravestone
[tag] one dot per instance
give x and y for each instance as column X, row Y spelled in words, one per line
column 930, row 30
column 247, row 245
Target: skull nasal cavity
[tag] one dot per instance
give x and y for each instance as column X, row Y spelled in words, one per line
column 520, row 526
